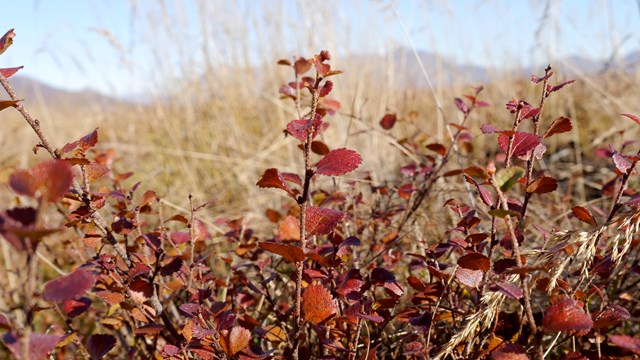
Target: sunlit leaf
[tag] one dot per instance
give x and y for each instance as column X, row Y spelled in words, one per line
column 542, row 185
column 522, row 143
column 583, row 214
column 322, row 221
column 611, row 315
column 317, row 304
column 508, row 177
column 8, row 72
column 558, row 126
column 273, row 179
column 338, row 162
column 291, row 253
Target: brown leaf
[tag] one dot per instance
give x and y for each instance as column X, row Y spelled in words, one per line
column 542, row 185
column 474, row 261
column 583, row 214
column 558, row 126
column 317, row 304
column 289, row 252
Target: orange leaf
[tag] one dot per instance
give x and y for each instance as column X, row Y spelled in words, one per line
column 541, row 185
column 234, row 341
column 583, row 214
column 289, row 252
column 317, row 304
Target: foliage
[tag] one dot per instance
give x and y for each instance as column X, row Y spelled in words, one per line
column 347, row 271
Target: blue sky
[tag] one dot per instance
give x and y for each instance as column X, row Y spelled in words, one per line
column 103, row 45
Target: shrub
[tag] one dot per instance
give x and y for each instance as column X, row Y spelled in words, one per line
column 457, row 257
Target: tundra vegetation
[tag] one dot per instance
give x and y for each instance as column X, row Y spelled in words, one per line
column 479, row 246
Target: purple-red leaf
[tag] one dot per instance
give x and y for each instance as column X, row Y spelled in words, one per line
column 566, row 314
column 99, row 345
column 485, row 194
column 551, row 89
column 86, row 142
column 322, row 221
column 338, row 162
column 461, row 105
column 626, row 342
column 509, row 289
column 468, row 277
column 69, row 286
column 326, row 88
column 611, row 315
column 522, row 143
column 383, row 277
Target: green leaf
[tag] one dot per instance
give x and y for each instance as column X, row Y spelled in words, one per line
column 506, row 178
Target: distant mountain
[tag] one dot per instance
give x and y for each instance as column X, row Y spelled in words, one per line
column 34, row 92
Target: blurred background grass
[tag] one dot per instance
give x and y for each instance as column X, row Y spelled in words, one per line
column 206, row 118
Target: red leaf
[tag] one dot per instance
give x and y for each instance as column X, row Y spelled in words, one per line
column 73, row 307
column 338, row 162
column 298, row 128
column 632, row 117
column 558, row 126
column 291, row 253
column 322, row 221
column 48, row 181
column 439, row 148
column 7, row 72
column 583, row 214
column 611, row 315
column 317, row 304
column 470, row 278
column 351, row 285
column 39, row 345
column 542, row 185
column 383, row 277
column 485, row 194
column 566, row 314
column 326, row 88
column 626, row 342
column 86, row 142
column 474, row 261
column 551, row 89
column 273, row 179
column 461, row 105
column 528, row 113
column 522, row 143
column 69, row 286
column 6, row 40
column 388, row 121
column 99, row 345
